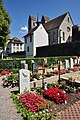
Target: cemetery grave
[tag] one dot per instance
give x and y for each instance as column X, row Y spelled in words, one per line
column 55, row 100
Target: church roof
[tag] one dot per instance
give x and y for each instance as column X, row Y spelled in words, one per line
column 55, row 23
column 32, row 17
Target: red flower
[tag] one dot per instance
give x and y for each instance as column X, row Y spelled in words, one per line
column 73, row 69
column 31, row 101
column 4, row 72
column 55, row 94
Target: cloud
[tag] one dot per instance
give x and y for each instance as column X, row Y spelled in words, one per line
column 25, row 28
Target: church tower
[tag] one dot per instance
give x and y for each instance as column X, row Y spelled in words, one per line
column 31, row 22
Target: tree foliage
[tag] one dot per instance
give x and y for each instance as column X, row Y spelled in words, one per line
column 5, row 21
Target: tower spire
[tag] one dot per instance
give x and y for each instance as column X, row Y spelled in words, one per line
column 38, row 23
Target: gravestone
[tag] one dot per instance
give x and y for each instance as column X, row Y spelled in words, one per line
column 26, row 66
column 75, row 61
column 78, row 60
column 61, row 67
column 34, row 66
column 66, row 64
column 23, row 62
column 45, row 60
column 24, row 80
column 71, row 63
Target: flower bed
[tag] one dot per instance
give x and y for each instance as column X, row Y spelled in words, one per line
column 55, row 94
column 73, row 69
column 61, row 71
column 33, row 102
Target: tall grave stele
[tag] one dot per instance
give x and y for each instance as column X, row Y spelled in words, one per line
column 66, row 65
column 71, row 63
column 24, row 80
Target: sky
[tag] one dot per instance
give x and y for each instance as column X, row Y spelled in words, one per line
column 19, row 11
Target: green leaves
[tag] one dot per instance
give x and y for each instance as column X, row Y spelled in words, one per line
column 5, row 21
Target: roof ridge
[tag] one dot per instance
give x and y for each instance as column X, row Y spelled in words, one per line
column 58, row 17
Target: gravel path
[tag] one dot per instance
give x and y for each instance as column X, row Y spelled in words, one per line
column 7, row 108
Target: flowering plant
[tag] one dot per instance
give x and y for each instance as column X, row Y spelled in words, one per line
column 33, row 102
column 73, row 69
column 61, row 71
column 6, row 72
column 55, row 94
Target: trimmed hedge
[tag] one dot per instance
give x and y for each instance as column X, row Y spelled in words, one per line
column 16, row 63
column 9, row 64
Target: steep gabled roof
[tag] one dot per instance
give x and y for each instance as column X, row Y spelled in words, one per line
column 55, row 23
column 46, row 18
column 32, row 17
column 15, row 40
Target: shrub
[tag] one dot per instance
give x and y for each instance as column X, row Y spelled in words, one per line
column 35, row 75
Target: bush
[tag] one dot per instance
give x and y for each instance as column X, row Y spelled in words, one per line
column 15, row 70
column 35, row 75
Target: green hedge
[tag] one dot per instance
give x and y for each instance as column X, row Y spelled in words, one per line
column 10, row 64
column 16, row 63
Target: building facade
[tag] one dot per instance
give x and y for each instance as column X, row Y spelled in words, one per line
column 47, row 32
column 14, row 45
column 59, row 29
column 35, row 38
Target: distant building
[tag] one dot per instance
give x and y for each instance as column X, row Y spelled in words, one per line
column 47, row 32
column 14, row 45
column 75, row 33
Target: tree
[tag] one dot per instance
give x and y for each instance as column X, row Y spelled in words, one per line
column 5, row 21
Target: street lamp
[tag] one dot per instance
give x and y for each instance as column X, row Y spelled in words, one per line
column 59, row 71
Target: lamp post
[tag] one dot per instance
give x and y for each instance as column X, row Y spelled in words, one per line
column 59, row 71
column 43, row 75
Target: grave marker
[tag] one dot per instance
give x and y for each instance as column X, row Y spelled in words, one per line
column 66, row 64
column 24, row 80
column 71, row 63
column 23, row 62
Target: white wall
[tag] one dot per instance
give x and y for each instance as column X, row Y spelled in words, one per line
column 15, row 48
column 40, row 38
column 30, row 44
